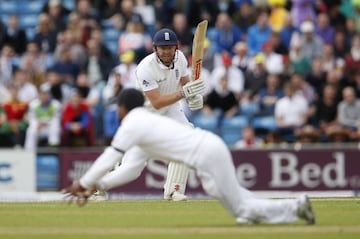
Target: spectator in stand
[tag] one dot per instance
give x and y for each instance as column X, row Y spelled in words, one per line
column 35, row 77
column 255, row 76
column 89, row 93
column 227, row 34
column 303, row 10
column 88, row 19
column 235, row 76
column 135, row 39
column 330, row 61
column 58, row 88
column 303, row 88
column 273, row 61
column 57, row 13
column 202, row 10
column 350, row 28
column 356, row 13
column 183, row 32
column 77, row 126
column 221, row 98
column 244, row 17
column 307, row 135
column 278, row 46
column 356, row 83
column 110, row 10
column 39, row 63
column 2, row 33
column 323, row 29
column 249, row 139
column 45, row 36
column 127, row 9
column 287, row 31
column 341, row 47
column 324, row 110
column 312, row 44
column 317, row 76
column 44, row 117
column 241, row 59
column 77, row 51
column 65, row 66
column 15, row 36
column 349, row 110
column 97, row 66
column 74, row 26
column 352, row 59
column 337, row 19
column 16, row 122
column 126, row 69
column 110, row 118
column 258, row 33
column 7, row 66
column 96, row 34
column 26, row 90
column 291, row 111
column 269, row 95
column 278, row 14
column 299, row 61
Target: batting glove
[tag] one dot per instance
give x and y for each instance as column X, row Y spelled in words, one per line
column 193, row 88
column 195, row 103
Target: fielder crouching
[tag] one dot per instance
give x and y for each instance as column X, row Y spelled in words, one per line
column 198, row 149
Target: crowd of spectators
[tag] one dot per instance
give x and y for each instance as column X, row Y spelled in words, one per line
column 295, row 61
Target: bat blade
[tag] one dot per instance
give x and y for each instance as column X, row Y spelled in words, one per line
column 198, row 49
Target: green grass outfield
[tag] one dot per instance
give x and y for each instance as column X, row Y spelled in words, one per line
column 336, row 218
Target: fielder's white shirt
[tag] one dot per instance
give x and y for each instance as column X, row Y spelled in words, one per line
column 154, row 134
column 152, row 74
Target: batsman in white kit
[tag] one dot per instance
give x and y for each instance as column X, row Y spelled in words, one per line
column 165, row 139
column 159, row 76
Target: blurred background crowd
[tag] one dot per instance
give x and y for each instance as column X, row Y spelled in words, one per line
column 277, row 71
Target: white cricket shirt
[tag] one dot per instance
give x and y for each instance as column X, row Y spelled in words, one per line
column 152, row 74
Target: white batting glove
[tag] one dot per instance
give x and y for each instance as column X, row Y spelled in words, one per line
column 193, row 88
column 195, row 103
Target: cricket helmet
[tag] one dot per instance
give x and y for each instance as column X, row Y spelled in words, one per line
column 165, row 37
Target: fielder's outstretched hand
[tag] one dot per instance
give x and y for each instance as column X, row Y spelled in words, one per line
column 78, row 193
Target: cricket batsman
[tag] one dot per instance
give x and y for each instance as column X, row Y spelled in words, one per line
column 160, row 77
column 196, row 148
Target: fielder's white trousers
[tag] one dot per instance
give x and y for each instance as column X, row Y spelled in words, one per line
column 215, row 168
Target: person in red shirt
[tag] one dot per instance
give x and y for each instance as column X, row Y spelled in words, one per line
column 16, row 121
column 77, row 122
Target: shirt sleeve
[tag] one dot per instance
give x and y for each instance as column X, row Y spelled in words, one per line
column 145, row 79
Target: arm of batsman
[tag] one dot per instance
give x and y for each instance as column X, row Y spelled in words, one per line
column 193, row 88
column 196, row 102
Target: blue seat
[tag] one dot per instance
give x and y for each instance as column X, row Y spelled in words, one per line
column 112, row 46
column 110, row 34
column 69, row 4
column 30, row 33
column 205, row 122
column 230, row 128
column 28, row 20
column 8, row 7
column 264, row 123
column 32, row 6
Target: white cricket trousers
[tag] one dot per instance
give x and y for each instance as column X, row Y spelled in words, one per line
column 216, row 171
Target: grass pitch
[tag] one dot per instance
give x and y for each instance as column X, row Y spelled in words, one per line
column 336, row 218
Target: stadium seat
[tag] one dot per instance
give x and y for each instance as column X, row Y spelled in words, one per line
column 8, row 7
column 249, row 109
column 206, row 122
column 28, row 20
column 30, row 33
column 32, row 7
column 267, row 123
column 230, row 128
column 112, row 46
column 110, row 34
column 69, row 4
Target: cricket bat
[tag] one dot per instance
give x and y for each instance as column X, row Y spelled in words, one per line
column 198, row 49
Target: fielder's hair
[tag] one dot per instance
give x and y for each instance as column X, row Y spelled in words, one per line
column 131, row 98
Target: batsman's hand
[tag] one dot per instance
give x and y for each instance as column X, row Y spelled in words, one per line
column 78, row 193
column 196, row 102
column 193, row 88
